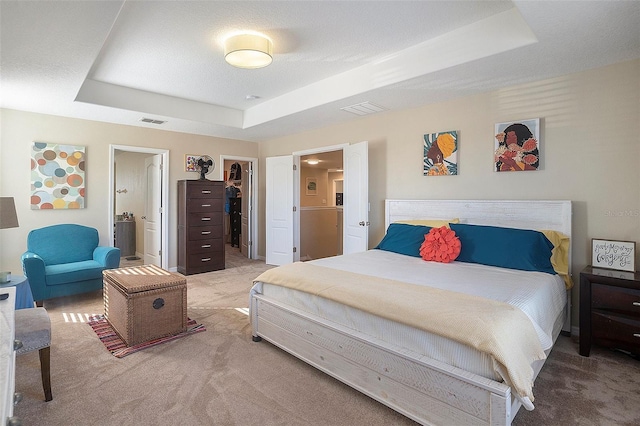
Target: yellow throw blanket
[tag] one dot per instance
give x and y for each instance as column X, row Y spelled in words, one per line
column 492, row 327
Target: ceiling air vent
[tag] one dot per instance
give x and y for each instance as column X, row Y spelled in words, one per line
column 363, row 108
column 152, row 121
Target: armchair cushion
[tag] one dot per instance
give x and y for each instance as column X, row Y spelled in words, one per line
column 71, row 272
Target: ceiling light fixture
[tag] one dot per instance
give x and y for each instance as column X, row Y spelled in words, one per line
column 248, row 50
column 313, row 162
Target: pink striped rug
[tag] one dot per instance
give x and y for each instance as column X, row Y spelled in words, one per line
column 118, row 347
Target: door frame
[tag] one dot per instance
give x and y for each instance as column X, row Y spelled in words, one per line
column 253, row 219
column 164, row 239
column 296, row 192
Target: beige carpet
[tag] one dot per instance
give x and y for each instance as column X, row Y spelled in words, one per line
column 221, row 377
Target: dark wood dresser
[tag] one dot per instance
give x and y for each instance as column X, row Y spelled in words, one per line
column 609, row 310
column 200, row 226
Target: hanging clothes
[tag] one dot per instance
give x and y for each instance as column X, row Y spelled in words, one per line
column 230, row 192
column 236, row 172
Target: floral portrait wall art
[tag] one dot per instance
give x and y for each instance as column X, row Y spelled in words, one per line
column 440, row 154
column 517, row 146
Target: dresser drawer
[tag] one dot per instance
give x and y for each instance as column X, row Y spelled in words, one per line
column 204, row 205
column 204, row 262
column 204, row 218
column 209, row 245
column 203, row 232
column 618, row 330
column 618, row 299
column 204, row 190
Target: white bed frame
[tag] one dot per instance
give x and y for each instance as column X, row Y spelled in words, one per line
column 425, row 390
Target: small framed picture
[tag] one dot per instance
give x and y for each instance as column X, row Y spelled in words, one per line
column 311, row 186
column 517, row 146
column 610, row 254
column 190, row 163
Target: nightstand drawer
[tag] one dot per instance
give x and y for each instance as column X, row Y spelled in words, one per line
column 620, row 331
column 618, row 299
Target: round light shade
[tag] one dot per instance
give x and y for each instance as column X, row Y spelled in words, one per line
column 248, row 51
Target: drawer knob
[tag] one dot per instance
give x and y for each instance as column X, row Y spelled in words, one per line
column 205, row 232
column 206, row 218
column 206, row 259
column 636, row 303
column 205, row 191
column 206, row 246
column 206, row 205
column 636, row 334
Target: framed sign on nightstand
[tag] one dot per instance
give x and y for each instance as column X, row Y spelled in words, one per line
column 610, row 254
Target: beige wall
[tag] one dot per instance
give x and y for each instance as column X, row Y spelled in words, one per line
column 590, row 149
column 20, row 129
column 318, row 232
column 320, row 199
column 590, row 144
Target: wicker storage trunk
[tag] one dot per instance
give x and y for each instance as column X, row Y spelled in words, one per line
column 146, row 302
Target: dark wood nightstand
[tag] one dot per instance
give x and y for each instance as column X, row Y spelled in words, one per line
column 609, row 310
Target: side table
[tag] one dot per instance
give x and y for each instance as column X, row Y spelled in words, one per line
column 609, row 310
column 24, row 297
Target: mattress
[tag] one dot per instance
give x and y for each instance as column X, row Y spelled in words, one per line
column 541, row 296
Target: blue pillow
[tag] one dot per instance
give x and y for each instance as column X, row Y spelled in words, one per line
column 404, row 239
column 522, row 249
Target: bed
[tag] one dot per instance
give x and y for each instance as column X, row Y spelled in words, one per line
column 399, row 355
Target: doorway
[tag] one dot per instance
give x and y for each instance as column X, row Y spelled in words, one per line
column 321, row 218
column 282, row 199
column 240, row 175
column 138, row 179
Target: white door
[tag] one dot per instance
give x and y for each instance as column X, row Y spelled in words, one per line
column 282, row 221
column 279, row 210
column 356, row 198
column 153, row 211
column 246, row 209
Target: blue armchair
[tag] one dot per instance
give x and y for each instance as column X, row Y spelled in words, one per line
column 62, row 260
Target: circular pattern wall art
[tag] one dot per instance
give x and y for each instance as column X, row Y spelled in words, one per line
column 57, row 176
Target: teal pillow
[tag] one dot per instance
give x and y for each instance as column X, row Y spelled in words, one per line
column 522, row 249
column 404, row 239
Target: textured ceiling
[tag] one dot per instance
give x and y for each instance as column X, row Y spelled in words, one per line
column 119, row 61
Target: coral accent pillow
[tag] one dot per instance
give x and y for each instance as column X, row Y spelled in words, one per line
column 440, row 245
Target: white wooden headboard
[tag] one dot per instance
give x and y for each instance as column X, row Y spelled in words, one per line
column 523, row 214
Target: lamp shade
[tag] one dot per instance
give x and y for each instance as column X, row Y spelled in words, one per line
column 8, row 216
column 248, row 51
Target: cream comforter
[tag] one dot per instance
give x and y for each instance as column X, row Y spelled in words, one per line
column 492, row 327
